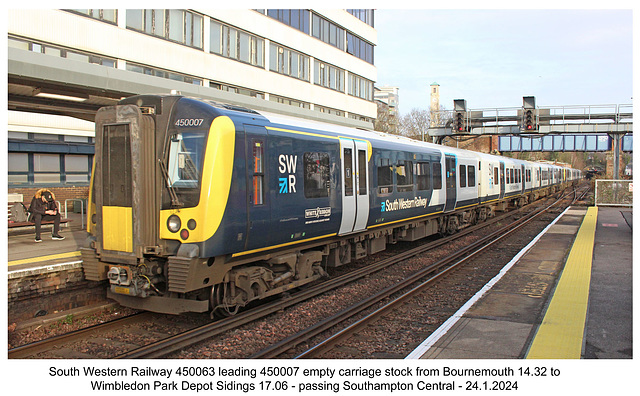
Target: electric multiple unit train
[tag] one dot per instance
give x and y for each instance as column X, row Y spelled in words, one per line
column 199, row 206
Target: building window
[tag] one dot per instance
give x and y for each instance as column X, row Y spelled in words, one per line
column 175, row 25
column 329, row 76
column 236, row 44
column 18, row 168
column 290, row 102
column 29, row 169
column 328, row 110
column 237, row 90
column 360, row 87
column 359, row 48
column 46, row 168
column 76, row 168
column 365, row 16
column 163, row 74
column 297, row 19
column 62, row 52
column 326, row 31
column 110, row 16
column 288, row 62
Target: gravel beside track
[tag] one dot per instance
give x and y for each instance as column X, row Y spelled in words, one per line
column 393, row 336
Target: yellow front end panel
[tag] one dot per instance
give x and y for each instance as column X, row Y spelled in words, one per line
column 215, row 187
column 117, row 229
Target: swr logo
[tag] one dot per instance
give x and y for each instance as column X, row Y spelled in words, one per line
column 287, row 165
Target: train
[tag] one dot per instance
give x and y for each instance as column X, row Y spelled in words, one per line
column 198, row 206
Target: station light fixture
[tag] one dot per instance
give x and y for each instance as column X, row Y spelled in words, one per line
column 60, row 95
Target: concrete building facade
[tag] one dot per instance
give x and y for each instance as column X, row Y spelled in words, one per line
column 65, row 64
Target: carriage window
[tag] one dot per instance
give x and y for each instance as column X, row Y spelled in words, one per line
column 450, row 168
column 471, row 176
column 316, row 175
column 437, row 176
column 258, row 173
column 496, row 177
column 362, row 172
column 348, row 172
column 404, row 175
column 463, row 176
column 385, row 176
column 423, row 175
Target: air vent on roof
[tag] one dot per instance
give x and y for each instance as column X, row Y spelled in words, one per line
column 238, row 108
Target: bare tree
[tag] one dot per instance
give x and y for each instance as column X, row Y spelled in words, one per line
column 386, row 121
column 415, row 124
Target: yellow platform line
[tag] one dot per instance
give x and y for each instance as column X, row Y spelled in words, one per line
column 45, row 258
column 561, row 332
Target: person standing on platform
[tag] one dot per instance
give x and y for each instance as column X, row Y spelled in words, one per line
column 43, row 207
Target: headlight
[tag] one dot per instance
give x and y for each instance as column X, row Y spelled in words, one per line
column 173, row 223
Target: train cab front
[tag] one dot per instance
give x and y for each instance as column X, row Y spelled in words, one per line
column 161, row 167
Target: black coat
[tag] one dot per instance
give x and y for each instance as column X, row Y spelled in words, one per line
column 39, row 207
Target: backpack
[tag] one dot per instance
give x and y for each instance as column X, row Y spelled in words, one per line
column 18, row 212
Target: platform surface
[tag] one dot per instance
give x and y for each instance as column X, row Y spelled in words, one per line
column 506, row 321
column 23, row 253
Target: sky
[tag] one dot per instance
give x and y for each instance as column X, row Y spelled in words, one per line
column 492, row 58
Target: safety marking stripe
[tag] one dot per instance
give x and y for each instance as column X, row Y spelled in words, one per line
column 561, row 332
column 45, row 258
column 446, row 326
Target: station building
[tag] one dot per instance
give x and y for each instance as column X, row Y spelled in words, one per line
column 63, row 65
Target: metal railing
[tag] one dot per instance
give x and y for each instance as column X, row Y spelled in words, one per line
column 82, row 212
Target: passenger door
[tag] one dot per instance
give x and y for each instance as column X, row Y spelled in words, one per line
column 502, row 180
column 258, row 205
column 354, row 161
column 450, row 181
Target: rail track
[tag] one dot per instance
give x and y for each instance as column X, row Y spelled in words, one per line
column 175, row 343
column 403, row 291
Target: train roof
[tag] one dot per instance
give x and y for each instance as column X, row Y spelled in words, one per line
column 301, row 124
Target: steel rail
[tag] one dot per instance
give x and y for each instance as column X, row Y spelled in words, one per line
column 451, row 262
column 47, row 344
column 190, row 337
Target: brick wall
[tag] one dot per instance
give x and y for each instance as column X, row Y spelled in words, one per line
column 51, row 292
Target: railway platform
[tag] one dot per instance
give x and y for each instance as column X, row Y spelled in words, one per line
column 38, row 271
column 568, row 295
column 23, row 253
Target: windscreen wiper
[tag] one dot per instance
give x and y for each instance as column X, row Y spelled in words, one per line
column 175, row 201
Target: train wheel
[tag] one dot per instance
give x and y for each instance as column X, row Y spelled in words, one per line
column 220, row 304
